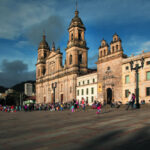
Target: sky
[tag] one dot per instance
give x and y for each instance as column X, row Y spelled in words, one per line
column 22, row 23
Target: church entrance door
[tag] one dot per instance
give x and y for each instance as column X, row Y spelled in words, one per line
column 109, row 96
column 61, row 98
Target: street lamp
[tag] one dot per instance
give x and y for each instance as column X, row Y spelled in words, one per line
column 136, row 68
column 54, row 85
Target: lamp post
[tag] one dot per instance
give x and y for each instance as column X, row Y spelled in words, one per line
column 136, row 68
column 54, row 85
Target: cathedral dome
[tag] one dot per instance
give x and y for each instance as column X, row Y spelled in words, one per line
column 76, row 21
column 44, row 44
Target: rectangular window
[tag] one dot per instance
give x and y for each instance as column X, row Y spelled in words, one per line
column 127, row 79
column 126, row 93
column 87, row 91
column 92, row 99
column 88, row 82
column 82, row 91
column 93, row 80
column 148, row 91
column 148, row 75
column 79, row 83
column 78, row 92
column 92, row 90
column 83, row 82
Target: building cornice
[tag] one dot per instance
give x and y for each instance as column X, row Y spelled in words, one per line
column 56, row 77
column 136, row 58
column 110, row 57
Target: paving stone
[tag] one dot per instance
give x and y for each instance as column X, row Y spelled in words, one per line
column 112, row 129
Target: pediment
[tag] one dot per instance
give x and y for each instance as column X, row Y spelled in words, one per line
column 52, row 54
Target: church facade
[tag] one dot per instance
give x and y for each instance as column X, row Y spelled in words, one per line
column 50, row 71
column 109, row 70
column 114, row 75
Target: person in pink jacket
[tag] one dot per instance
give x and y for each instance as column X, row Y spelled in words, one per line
column 98, row 108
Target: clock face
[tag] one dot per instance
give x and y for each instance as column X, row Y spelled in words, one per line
column 52, row 62
column 51, row 67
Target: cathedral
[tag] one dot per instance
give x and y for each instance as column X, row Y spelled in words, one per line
column 111, row 82
column 50, row 71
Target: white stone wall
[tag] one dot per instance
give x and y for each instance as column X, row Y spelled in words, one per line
column 84, row 86
column 28, row 89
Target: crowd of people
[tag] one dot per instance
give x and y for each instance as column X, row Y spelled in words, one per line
column 73, row 106
column 12, row 108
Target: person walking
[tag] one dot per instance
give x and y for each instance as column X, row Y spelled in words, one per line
column 72, row 108
column 98, row 108
column 83, row 104
column 133, row 100
column 130, row 101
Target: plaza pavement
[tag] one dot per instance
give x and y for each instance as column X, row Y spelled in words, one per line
column 113, row 129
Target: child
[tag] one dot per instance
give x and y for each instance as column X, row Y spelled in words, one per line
column 98, row 108
column 72, row 108
column 61, row 107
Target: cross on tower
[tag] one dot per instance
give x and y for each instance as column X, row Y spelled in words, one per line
column 76, row 5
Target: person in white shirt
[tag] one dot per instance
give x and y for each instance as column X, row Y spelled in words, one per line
column 130, row 101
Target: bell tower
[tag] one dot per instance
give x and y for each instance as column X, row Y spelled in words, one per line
column 103, row 49
column 115, row 45
column 76, row 51
column 43, row 52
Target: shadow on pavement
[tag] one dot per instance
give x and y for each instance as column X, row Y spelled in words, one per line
column 112, row 141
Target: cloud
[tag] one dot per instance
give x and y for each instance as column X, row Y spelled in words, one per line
column 146, row 46
column 116, row 11
column 14, row 72
column 21, row 44
column 53, row 27
column 136, row 44
column 17, row 16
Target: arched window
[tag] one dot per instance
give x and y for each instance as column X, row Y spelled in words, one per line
column 70, row 89
column 113, row 49
column 43, row 71
column 71, row 36
column 61, row 87
column 45, row 55
column 108, row 68
column 116, row 47
column 101, row 54
column 80, row 58
column 104, row 52
column 79, row 35
column 70, row 60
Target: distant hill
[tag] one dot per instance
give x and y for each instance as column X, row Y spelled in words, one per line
column 20, row 86
column 2, row 89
